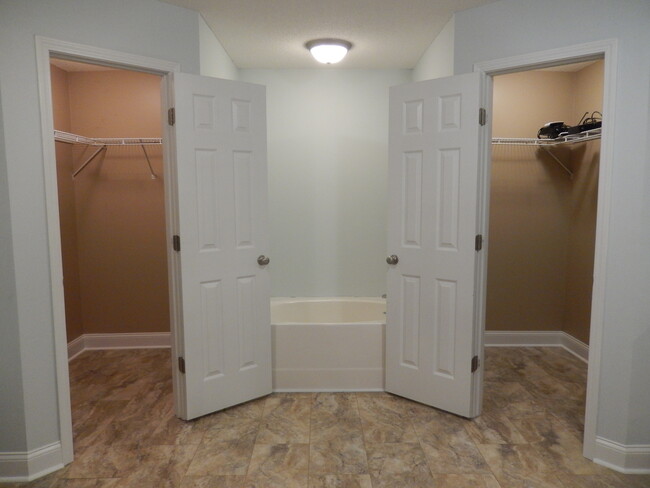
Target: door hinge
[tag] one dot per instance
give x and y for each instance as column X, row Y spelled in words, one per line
column 482, row 116
column 171, row 116
column 475, row 363
column 176, row 243
column 181, row 365
column 478, row 242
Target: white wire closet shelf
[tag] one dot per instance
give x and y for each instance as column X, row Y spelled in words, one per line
column 70, row 138
column 584, row 136
column 102, row 144
column 587, row 135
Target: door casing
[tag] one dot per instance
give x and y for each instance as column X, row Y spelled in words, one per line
column 45, row 48
column 606, row 50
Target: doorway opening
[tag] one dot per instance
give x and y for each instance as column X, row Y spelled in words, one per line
column 111, row 203
column 602, row 52
column 542, row 226
column 47, row 49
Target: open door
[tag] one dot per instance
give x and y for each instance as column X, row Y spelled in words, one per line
column 432, row 227
column 223, row 341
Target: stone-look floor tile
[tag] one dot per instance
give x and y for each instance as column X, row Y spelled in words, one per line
column 125, row 399
column 559, row 363
column 285, row 420
column 176, row 431
column 89, row 431
column 540, row 427
column 45, row 482
column 398, row 464
column 384, row 419
column 519, row 465
column 465, row 481
column 102, row 461
column 279, row 465
column 130, row 434
column 338, row 457
column 558, row 445
column 339, row 405
column 326, row 427
column 88, row 483
column 547, row 389
column 161, row 467
column 494, row 429
column 250, row 411
column 453, row 453
column 225, row 429
column 213, row 482
column 510, row 399
column 634, row 480
column 597, row 481
column 155, row 404
column 340, row 481
column 222, row 458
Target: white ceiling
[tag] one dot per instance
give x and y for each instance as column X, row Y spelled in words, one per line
column 272, row 33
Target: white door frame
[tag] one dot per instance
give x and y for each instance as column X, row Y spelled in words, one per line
column 45, row 48
column 595, row 50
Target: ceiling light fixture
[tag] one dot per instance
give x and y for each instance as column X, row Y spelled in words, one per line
column 328, row 51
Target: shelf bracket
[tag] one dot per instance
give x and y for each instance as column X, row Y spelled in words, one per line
column 154, row 176
column 557, row 160
column 87, row 162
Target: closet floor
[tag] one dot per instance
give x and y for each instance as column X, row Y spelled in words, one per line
column 529, row 435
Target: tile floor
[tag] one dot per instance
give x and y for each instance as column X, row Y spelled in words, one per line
column 528, row 436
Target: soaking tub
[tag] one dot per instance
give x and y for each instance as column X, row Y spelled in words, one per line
column 328, row 344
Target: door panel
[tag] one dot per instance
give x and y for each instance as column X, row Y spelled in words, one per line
column 433, row 178
column 222, row 196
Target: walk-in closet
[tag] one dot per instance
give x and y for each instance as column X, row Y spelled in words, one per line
column 543, row 202
column 111, row 204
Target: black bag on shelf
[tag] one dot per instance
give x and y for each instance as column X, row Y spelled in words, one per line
column 553, row 130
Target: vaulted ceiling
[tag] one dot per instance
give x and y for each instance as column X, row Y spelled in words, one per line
column 272, row 33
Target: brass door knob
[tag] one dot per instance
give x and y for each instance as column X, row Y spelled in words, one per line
column 263, row 260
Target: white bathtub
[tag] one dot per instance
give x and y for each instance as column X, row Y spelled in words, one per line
column 328, row 344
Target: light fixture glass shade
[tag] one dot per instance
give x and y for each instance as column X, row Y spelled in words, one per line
column 328, row 51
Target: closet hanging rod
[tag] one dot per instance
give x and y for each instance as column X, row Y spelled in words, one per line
column 70, row 138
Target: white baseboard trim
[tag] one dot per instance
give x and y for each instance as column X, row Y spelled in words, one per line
column 17, row 467
column 628, row 459
column 328, row 379
column 132, row 340
column 76, row 347
column 498, row 338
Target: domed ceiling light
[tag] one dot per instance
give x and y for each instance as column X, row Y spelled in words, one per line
column 328, row 51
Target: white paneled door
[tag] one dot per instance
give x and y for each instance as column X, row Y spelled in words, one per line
column 432, row 221
column 224, row 336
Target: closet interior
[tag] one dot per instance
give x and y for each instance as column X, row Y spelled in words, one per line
column 543, row 201
column 111, row 200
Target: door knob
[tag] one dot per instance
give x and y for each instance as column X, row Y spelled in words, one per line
column 392, row 259
column 263, row 260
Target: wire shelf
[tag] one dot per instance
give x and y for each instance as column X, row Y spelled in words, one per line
column 587, row 135
column 70, row 138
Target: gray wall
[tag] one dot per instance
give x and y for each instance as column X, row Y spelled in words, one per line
column 143, row 27
column 11, row 388
column 512, row 27
column 328, row 163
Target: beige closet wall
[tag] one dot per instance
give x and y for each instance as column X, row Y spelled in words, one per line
column 120, row 226
column 67, row 207
column 584, row 196
column 540, row 219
